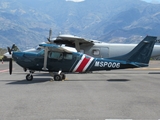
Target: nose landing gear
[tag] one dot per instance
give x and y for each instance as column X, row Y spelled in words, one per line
column 29, row 77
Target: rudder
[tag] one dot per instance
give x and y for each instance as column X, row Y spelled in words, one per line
column 141, row 53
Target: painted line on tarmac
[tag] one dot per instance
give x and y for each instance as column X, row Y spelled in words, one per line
column 118, row 119
column 1, row 71
column 64, row 119
column 6, row 70
column 145, row 69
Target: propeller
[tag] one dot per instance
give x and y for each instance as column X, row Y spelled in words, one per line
column 12, row 48
column 50, row 35
column 10, row 61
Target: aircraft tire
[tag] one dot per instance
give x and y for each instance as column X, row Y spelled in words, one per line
column 57, row 77
column 63, row 76
column 29, row 77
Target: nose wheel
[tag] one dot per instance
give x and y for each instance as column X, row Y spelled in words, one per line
column 29, row 77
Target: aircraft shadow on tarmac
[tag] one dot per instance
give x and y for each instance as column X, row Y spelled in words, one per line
column 42, row 80
column 36, row 80
column 154, row 73
column 47, row 78
column 100, row 80
column 118, row 80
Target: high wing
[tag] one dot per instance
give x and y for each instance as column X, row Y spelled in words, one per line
column 72, row 41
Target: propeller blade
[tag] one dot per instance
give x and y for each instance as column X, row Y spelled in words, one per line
column 10, row 66
column 10, row 61
column 9, row 50
column 12, row 48
column 50, row 35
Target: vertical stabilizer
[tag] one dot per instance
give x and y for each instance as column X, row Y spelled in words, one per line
column 141, row 53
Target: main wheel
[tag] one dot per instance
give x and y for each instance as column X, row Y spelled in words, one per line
column 57, row 77
column 63, row 76
column 29, row 77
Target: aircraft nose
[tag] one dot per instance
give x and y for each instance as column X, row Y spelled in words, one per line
column 17, row 56
column 8, row 55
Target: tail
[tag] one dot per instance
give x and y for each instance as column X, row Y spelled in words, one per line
column 141, row 53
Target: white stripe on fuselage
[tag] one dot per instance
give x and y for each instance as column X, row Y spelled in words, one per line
column 85, row 68
column 79, row 63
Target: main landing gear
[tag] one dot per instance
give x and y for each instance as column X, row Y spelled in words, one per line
column 59, row 76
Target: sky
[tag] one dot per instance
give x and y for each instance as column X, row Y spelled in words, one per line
column 150, row 1
column 76, row 0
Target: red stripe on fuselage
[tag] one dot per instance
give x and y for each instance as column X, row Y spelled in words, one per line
column 82, row 65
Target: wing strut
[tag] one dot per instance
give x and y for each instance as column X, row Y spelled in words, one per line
column 45, row 59
column 77, row 45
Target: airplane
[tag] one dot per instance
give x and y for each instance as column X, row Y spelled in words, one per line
column 97, row 48
column 55, row 58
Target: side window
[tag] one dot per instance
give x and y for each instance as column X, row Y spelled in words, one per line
column 68, row 56
column 55, row 55
column 96, row 52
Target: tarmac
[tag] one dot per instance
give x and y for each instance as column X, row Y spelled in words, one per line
column 130, row 94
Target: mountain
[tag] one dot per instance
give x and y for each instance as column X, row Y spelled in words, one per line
column 133, row 23
column 26, row 23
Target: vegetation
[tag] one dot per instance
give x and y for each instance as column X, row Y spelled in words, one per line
column 1, row 57
column 2, row 51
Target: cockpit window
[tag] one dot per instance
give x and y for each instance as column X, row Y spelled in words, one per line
column 55, row 55
column 60, row 55
column 68, row 56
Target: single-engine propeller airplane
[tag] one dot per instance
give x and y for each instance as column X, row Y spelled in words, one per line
column 54, row 58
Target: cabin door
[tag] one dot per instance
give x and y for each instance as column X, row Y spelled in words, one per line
column 104, row 52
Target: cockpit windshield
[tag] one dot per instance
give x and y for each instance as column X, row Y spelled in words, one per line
column 41, row 52
column 35, row 50
column 39, row 48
